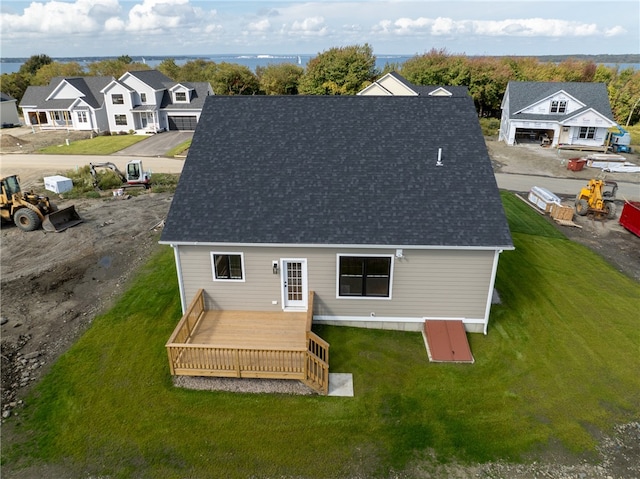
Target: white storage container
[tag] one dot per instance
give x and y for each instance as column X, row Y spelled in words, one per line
column 58, row 184
column 543, row 198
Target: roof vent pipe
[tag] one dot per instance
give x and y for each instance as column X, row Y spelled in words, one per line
column 439, row 162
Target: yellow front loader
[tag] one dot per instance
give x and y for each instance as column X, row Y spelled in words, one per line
column 30, row 211
column 598, row 197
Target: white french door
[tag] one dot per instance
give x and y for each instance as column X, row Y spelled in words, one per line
column 294, row 284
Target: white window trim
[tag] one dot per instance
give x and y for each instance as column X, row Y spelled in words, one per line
column 227, row 253
column 186, row 96
column 362, row 255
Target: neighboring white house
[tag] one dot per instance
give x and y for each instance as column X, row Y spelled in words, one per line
column 556, row 113
column 142, row 101
column 8, row 111
column 148, row 101
column 73, row 103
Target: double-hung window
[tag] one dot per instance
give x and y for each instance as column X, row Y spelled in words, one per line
column 559, row 106
column 364, row 276
column 117, row 99
column 82, row 117
column 587, row 132
column 181, row 96
column 227, row 266
column 121, row 120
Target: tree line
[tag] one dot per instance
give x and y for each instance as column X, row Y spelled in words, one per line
column 347, row 70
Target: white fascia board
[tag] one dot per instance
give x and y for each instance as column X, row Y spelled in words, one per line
column 111, row 85
column 343, row 246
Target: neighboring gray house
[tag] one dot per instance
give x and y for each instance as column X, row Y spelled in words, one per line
column 386, row 207
column 73, row 103
column 8, row 111
column 142, row 101
column 147, row 101
column 556, row 113
column 394, row 84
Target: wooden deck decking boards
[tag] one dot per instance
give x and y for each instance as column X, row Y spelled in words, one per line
column 252, row 330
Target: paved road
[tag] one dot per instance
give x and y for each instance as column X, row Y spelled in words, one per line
column 33, row 167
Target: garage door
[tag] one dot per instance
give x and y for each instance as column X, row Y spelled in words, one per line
column 182, row 122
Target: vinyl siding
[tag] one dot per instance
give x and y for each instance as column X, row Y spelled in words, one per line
column 425, row 283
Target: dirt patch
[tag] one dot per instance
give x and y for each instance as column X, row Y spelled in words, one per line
column 54, row 284
column 26, row 140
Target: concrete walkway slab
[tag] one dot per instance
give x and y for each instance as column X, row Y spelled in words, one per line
column 341, row 384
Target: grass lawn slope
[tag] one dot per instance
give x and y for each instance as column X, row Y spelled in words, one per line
column 558, row 367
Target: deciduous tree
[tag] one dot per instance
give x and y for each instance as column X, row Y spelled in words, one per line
column 280, row 79
column 339, row 71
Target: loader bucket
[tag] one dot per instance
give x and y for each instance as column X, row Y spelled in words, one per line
column 61, row 220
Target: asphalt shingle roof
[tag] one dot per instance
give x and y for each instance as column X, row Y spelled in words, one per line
column 89, row 86
column 154, row 78
column 345, row 170
column 524, row 94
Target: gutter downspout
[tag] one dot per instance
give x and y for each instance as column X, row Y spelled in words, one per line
column 491, row 287
column 176, row 254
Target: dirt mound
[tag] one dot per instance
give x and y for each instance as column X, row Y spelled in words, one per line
column 10, row 141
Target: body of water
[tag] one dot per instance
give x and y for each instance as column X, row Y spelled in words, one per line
column 12, row 65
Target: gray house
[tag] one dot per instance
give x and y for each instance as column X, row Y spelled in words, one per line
column 8, row 111
column 385, row 207
column 556, row 113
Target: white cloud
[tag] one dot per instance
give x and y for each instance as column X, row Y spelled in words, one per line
column 523, row 27
column 311, row 26
column 260, row 26
column 60, row 18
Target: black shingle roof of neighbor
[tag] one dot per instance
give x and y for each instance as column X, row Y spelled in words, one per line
column 524, row 94
column 6, row 97
column 338, row 170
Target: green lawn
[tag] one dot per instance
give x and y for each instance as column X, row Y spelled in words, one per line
column 100, row 145
column 559, row 364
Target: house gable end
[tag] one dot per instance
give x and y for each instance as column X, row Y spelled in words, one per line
column 440, row 91
column 564, row 104
column 64, row 91
column 588, row 117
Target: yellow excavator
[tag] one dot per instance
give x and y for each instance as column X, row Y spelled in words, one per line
column 597, row 197
column 30, row 211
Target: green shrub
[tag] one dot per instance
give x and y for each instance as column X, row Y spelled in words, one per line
column 490, row 126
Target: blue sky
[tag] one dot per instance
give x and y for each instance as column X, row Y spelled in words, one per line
column 69, row 28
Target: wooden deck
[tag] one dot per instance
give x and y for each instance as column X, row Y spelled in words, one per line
column 251, row 330
column 255, row 344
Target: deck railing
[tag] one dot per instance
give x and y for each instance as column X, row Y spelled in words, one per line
column 309, row 363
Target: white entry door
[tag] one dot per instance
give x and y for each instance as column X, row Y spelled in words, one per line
column 294, row 284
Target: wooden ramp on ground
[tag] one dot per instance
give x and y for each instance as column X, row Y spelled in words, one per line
column 446, row 341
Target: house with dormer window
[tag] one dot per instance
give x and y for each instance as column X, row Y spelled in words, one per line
column 556, row 114
column 148, row 101
column 141, row 101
